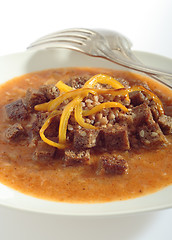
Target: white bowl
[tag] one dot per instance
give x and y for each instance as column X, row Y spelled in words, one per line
column 29, row 61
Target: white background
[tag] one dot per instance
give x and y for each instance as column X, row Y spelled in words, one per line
column 148, row 24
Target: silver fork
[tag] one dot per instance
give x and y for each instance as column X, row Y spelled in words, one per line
column 100, row 43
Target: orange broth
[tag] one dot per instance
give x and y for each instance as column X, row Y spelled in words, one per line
column 149, row 169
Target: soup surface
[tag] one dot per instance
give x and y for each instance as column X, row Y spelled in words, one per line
column 148, row 168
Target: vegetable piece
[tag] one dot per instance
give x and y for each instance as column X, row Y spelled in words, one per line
column 104, row 79
column 53, row 104
column 44, row 127
column 77, row 95
column 79, row 118
column 113, row 92
column 99, row 107
column 63, row 87
column 64, row 119
column 149, row 93
column 42, row 107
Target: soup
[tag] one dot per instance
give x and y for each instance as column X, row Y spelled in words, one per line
column 85, row 135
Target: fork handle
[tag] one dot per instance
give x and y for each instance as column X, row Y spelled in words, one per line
column 165, row 78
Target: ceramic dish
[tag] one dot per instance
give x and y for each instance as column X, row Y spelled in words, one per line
column 29, row 61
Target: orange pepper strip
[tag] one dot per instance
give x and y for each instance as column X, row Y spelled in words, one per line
column 63, row 87
column 42, row 107
column 56, row 102
column 44, row 127
column 104, row 79
column 78, row 95
column 64, row 119
column 113, row 92
column 69, row 108
column 79, row 118
column 154, row 97
column 99, row 107
column 53, row 104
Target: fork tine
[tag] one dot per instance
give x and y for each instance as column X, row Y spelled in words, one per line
column 79, row 30
column 59, row 39
column 61, row 35
column 78, row 33
column 72, row 36
column 58, row 42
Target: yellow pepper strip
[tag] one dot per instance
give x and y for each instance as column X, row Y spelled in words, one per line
column 56, row 102
column 113, row 92
column 45, row 139
column 77, row 95
column 154, row 97
column 99, row 107
column 79, row 118
column 104, row 79
column 42, row 107
column 64, row 120
column 63, row 87
column 53, row 104
column 65, row 117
